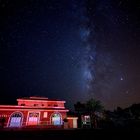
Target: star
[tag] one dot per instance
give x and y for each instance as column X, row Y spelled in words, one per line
column 121, row 79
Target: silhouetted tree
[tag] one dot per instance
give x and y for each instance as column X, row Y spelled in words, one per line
column 80, row 109
column 93, row 106
column 135, row 109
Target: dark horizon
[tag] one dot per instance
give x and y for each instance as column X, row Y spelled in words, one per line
column 70, row 50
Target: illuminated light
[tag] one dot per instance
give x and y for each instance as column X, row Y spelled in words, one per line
column 6, row 106
column 72, row 118
column 9, row 106
column 28, row 100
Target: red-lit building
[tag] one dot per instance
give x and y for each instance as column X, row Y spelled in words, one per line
column 34, row 111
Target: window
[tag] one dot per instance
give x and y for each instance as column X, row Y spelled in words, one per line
column 87, row 118
column 56, row 119
column 45, row 114
column 33, row 118
column 15, row 120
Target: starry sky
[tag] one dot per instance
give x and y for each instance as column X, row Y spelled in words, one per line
column 71, row 50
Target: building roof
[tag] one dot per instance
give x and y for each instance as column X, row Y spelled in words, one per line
column 39, row 98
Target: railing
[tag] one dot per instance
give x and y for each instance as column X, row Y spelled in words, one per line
column 41, row 124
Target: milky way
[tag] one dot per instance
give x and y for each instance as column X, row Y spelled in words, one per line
column 111, row 25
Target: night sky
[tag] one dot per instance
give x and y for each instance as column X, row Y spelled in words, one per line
column 71, row 50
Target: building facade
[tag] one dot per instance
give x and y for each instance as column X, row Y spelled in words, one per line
column 33, row 111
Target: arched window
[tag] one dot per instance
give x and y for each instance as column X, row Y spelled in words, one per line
column 56, row 119
column 33, row 118
column 15, row 120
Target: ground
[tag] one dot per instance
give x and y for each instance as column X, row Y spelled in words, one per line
column 53, row 134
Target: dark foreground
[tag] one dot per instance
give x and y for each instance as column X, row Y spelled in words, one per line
column 61, row 134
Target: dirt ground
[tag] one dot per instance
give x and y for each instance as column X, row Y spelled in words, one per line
column 61, row 134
